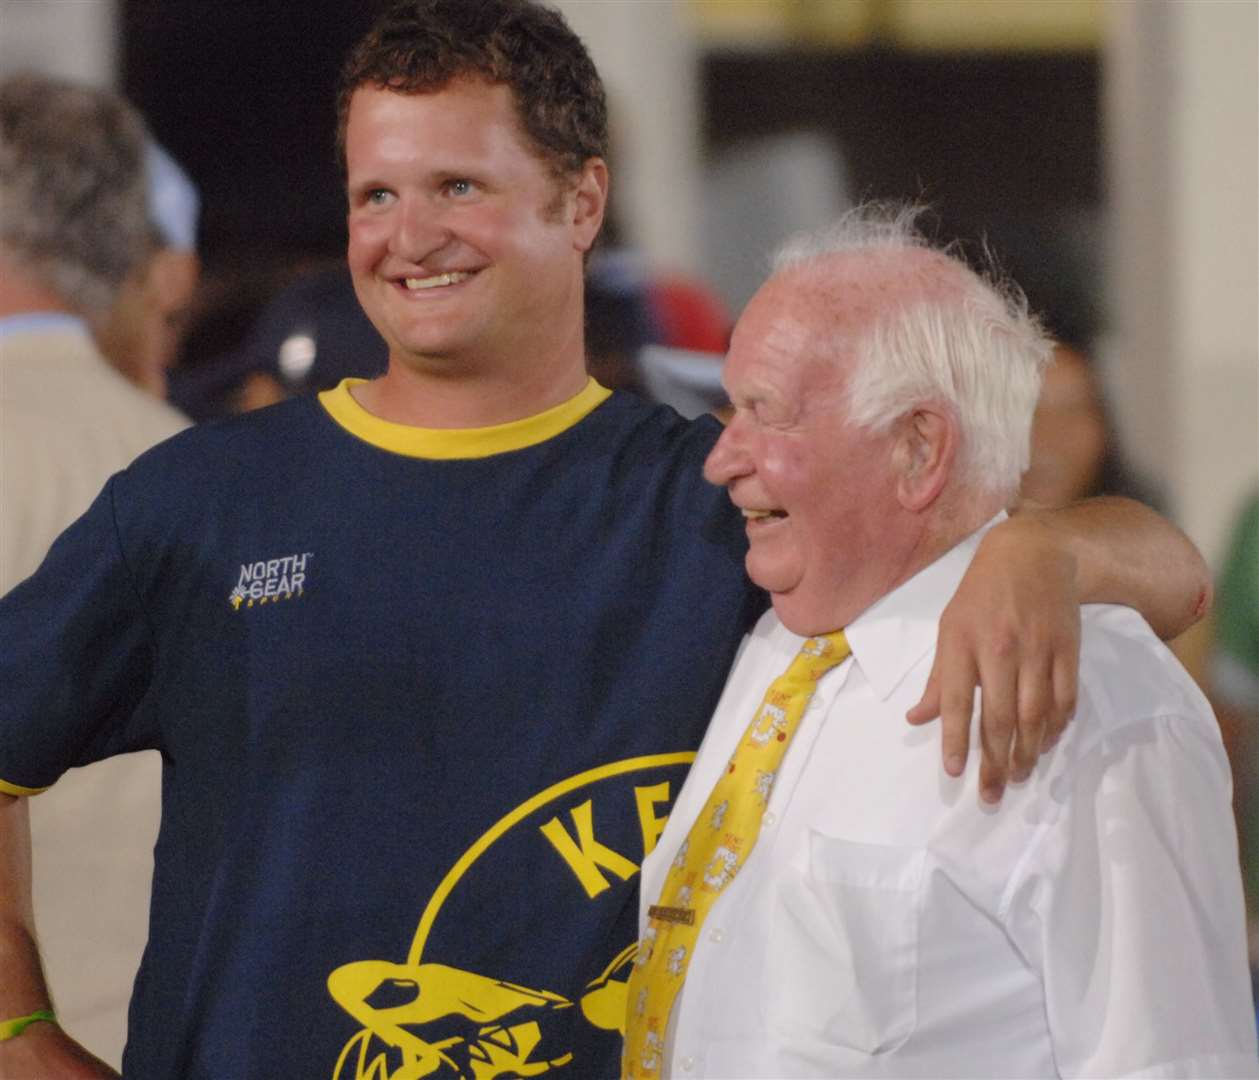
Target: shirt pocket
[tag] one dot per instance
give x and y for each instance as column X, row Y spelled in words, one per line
column 843, row 946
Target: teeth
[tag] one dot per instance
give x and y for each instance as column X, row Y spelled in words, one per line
column 756, row 515
column 437, row 280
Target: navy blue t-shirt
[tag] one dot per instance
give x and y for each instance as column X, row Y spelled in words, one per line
column 420, row 720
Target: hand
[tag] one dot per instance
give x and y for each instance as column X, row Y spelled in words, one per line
column 1012, row 628
column 45, row 1052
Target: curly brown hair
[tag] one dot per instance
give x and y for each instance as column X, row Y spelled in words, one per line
column 421, row 46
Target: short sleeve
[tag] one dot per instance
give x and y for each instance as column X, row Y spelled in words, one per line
column 1134, row 909
column 76, row 657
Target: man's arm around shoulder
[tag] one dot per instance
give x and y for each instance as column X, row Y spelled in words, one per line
column 1014, row 624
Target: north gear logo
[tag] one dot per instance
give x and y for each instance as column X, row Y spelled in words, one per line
column 270, row 581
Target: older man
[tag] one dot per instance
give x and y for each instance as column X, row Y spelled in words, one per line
column 831, row 904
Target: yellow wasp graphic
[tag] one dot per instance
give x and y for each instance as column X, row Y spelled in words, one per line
column 422, row 1019
column 439, row 1021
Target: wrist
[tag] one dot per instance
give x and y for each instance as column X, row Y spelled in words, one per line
column 12, row 1027
column 1034, row 537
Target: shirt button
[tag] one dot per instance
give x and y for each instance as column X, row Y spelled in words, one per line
column 688, row 1064
column 716, row 935
column 768, row 819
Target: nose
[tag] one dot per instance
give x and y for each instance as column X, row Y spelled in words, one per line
column 419, row 231
column 728, row 459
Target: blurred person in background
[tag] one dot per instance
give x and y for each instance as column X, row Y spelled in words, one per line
column 1075, row 449
column 80, row 208
column 81, row 213
column 144, row 330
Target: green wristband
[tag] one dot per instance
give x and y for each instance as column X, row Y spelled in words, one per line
column 11, row 1029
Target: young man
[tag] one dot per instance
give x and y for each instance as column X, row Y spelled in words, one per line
column 427, row 658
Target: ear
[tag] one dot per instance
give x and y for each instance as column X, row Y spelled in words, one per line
column 590, row 198
column 926, row 448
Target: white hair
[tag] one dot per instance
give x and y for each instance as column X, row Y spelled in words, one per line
column 953, row 336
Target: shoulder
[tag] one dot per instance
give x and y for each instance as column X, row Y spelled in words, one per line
column 1140, row 721
column 657, row 431
column 200, row 461
column 245, row 433
column 1127, row 675
column 651, row 455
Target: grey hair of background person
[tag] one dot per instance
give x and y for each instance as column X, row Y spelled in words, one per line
column 962, row 338
column 73, row 188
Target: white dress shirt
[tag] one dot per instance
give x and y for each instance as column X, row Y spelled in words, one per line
column 888, row 923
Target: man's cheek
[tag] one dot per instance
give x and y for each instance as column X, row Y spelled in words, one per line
column 784, row 470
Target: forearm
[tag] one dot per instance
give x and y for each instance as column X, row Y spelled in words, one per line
column 22, row 988
column 43, row 1049
column 1125, row 553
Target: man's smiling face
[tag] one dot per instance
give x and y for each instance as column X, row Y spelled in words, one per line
column 818, row 493
column 463, row 245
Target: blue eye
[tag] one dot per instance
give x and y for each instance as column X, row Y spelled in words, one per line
column 378, row 196
column 459, row 187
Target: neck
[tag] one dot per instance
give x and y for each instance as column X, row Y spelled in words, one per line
column 524, row 378
column 21, row 294
column 919, row 539
column 423, row 399
column 947, row 523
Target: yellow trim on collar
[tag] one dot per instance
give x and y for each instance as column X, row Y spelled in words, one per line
column 17, row 789
column 444, row 444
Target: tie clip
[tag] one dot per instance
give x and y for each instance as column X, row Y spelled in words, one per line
column 684, row 915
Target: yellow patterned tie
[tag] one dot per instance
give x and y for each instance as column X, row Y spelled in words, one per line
column 715, row 849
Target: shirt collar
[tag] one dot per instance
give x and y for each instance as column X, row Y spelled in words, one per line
column 38, row 322
column 455, row 443
column 892, row 635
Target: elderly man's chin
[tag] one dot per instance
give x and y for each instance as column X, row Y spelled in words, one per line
column 784, row 575
column 800, row 609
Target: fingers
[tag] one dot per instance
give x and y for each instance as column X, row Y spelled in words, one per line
column 950, row 695
column 1066, row 673
column 957, row 707
column 928, row 707
column 1029, row 689
column 1035, row 705
column 1047, row 693
column 1035, row 714
column 998, row 718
